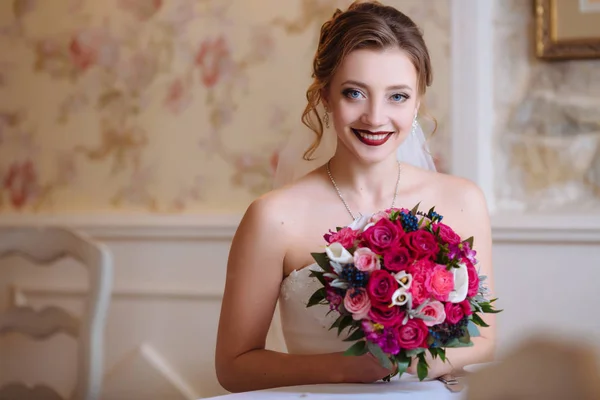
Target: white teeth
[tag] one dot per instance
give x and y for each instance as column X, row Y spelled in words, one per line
column 372, row 137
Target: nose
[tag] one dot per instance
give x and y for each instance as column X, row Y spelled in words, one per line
column 374, row 115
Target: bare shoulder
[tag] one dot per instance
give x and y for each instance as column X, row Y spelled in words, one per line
column 274, row 211
column 460, row 200
column 464, row 193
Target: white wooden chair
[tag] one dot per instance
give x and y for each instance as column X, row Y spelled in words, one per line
column 45, row 245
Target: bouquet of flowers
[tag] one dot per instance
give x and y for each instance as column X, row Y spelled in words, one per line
column 403, row 284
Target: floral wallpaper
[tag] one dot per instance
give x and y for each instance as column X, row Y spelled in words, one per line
column 164, row 106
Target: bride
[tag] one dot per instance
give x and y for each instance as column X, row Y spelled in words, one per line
column 371, row 70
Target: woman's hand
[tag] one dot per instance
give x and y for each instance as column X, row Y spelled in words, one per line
column 364, row 369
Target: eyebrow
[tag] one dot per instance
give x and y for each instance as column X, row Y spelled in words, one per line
column 363, row 86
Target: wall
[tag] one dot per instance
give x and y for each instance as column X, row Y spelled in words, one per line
column 163, row 107
column 547, row 124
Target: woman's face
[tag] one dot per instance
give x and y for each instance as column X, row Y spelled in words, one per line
column 373, row 99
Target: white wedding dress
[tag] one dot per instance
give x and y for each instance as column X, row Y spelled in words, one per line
column 306, row 330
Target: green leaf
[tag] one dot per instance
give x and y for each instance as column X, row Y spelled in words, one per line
column 489, row 309
column 422, row 367
column 336, row 323
column 455, row 343
column 415, row 209
column 316, row 298
column 415, row 352
column 344, row 323
column 403, row 362
column 473, row 329
column 322, row 260
column 466, row 338
column 319, row 276
column 357, row 349
column 380, row 355
column 356, row 335
column 442, row 354
column 434, row 352
column 478, row 321
column 470, row 241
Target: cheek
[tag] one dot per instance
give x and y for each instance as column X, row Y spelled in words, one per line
column 347, row 113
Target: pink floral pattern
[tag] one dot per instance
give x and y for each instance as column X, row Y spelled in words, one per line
column 146, row 104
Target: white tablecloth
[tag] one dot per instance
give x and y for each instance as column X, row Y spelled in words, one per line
column 407, row 387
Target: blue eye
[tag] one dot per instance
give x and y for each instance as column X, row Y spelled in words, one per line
column 352, row 94
column 398, row 97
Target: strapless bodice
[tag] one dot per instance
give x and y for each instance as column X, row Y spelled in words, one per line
column 306, row 330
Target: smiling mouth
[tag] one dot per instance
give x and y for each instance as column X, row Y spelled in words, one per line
column 372, row 138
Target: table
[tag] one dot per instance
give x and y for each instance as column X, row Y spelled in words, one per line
column 407, row 387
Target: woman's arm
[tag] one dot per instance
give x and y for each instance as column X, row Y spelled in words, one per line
column 475, row 221
column 254, row 275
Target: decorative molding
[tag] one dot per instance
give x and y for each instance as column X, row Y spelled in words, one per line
column 20, row 293
column 546, row 228
column 472, row 108
column 137, row 226
column 571, row 227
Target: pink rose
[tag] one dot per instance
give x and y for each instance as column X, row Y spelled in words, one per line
column 457, row 311
column 397, row 260
column 421, row 243
column 473, row 279
column 381, row 236
column 381, row 287
column 440, row 282
column 357, row 303
column 435, row 310
column 365, row 260
column 446, row 233
column 345, row 236
column 413, row 335
column 386, row 316
column 378, row 216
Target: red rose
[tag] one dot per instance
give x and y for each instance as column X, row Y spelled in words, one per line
column 457, row 311
column 397, row 260
column 418, row 289
column 381, row 287
column 381, row 236
column 386, row 316
column 446, row 233
column 422, row 244
column 473, row 279
column 413, row 335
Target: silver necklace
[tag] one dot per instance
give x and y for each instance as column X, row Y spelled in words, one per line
column 342, row 197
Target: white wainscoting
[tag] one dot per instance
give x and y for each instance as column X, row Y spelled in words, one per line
column 169, row 276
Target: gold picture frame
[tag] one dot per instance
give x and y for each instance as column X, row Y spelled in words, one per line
column 567, row 29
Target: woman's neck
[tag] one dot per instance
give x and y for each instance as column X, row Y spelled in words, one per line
column 365, row 187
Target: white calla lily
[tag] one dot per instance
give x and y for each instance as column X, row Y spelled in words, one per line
column 401, row 297
column 404, row 279
column 337, row 253
column 461, row 284
column 359, row 223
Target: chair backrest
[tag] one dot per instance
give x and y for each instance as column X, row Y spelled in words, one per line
column 45, row 245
